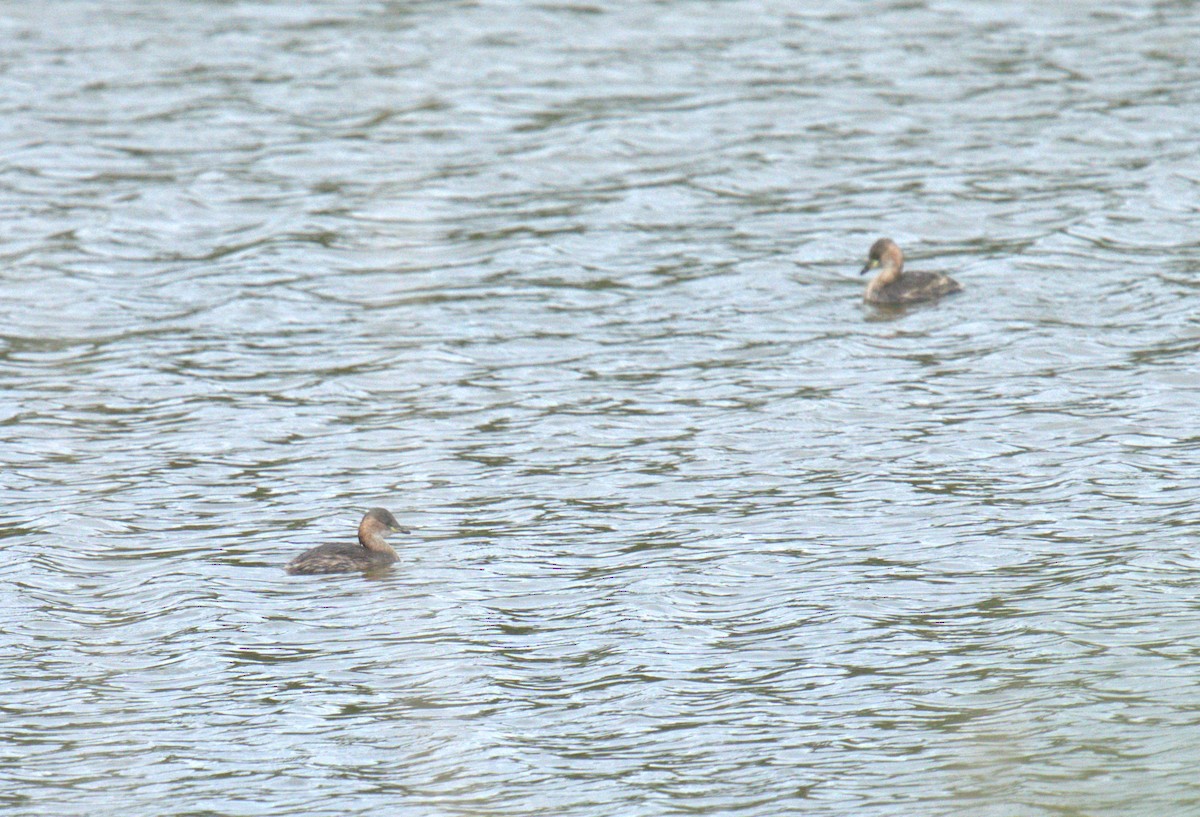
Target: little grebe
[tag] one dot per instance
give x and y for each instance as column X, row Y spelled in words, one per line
column 894, row 286
column 371, row 552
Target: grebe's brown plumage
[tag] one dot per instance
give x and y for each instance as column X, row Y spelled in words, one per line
column 371, row 552
column 894, row 286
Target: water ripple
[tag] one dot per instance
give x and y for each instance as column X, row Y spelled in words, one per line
column 571, row 287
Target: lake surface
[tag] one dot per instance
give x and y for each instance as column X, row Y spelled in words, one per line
column 572, row 289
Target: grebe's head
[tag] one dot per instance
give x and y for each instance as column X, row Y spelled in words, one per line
column 885, row 253
column 380, row 520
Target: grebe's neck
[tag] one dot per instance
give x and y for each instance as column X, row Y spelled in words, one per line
column 891, row 265
column 370, row 536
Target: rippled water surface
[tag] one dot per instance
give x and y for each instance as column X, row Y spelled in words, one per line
column 572, row 289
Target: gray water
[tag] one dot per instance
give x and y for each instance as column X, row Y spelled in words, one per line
column 572, row 289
